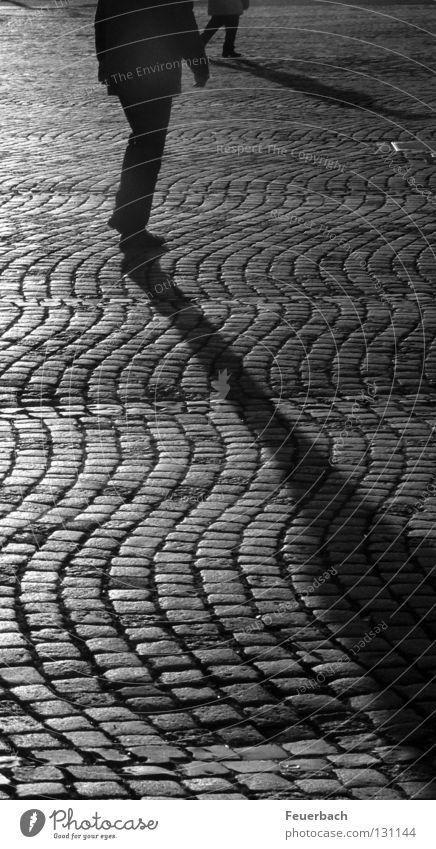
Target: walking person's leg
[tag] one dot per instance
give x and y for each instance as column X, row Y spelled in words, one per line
column 212, row 27
column 231, row 25
column 142, row 162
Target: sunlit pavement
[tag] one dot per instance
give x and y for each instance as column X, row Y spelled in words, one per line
column 218, row 466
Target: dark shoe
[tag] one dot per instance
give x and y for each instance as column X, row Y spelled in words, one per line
column 130, row 229
column 144, row 240
column 231, row 54
column 152, row 238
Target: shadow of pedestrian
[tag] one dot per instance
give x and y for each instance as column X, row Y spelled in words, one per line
column 361, row 630
column 313, row 87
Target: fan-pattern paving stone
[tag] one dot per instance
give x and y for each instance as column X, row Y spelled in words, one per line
column 217, row 468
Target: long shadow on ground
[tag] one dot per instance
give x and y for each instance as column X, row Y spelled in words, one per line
column 364, row 636
column 313, row 87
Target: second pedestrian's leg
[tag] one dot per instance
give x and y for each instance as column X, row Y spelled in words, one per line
column 232, row 23
column 212, row 28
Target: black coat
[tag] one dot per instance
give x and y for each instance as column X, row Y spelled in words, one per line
column 140, row 46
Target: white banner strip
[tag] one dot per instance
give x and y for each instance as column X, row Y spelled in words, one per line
column 167, row 824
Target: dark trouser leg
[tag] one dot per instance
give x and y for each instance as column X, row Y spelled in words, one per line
column 142, row 161
column 231, row 25
column 213, row 26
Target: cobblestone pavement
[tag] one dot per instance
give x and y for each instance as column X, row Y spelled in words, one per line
column 218, row 466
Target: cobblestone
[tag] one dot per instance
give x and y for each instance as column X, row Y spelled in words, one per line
column 211, row 597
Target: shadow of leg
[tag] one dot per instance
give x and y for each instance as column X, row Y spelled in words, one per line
column 353, row 649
